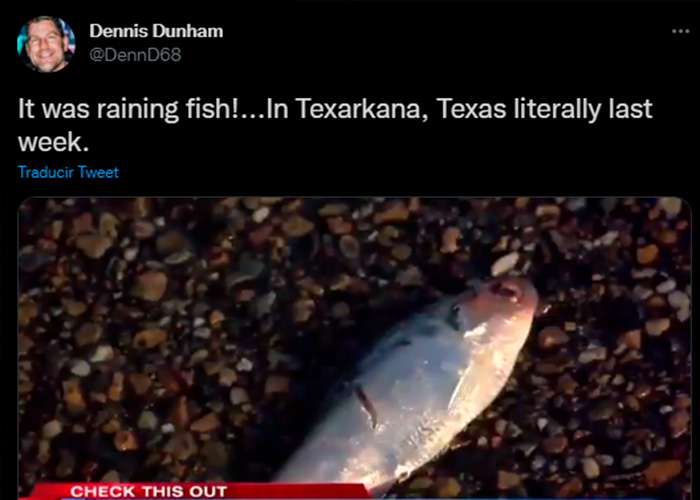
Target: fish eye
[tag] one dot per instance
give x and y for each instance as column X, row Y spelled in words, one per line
column 507, row 290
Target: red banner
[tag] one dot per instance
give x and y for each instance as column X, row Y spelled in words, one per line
column 55, row 491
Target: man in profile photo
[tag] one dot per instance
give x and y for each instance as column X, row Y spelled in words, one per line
column 47, row 45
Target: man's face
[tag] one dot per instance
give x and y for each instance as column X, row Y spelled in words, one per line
column 46, row 47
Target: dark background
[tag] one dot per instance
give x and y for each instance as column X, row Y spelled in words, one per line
column 412, row 51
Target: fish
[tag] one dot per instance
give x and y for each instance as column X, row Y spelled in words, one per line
column 422, row 384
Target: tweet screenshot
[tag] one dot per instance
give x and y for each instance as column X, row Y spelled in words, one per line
column 349, row 249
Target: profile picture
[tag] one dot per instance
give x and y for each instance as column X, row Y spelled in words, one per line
column 46, row 44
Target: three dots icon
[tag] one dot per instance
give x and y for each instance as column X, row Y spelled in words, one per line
column 685, row 31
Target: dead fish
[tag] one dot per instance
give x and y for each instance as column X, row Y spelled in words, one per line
column 418, row 388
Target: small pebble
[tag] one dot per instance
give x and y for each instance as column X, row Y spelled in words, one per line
column 340, row 310
column 93, row 246
column 552, row 336
column 450, row 238
column 238, row 395
column 647, row 254
column 148, row 420
column 631, row 461
column 207, row 423
column 52, row 429
column 227, row 377
column 655, row 327
column 297, row 226
column 590, row 467
column 672, row 206
column 81, row 368
column 125, row 440
column 260, row 214
column 505, row 264
column 555, row 444
column 401, row 252
column 349, row 247
column 276, row 384
column 632, row 339
column 593, row 354
column 151, row 285
column 667, row 286
column 678, row 299
column 660, row 472
column 678, row 423
column 508, row 480
column 538, row 462
column 102, row 353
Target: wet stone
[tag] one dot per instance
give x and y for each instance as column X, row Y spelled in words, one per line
column 590, row 467
column 66, row 465
column 401, row 252
column 52, row 429
column 111, row 476
column 125, row 440
column 631, row 461
column 678, row 423
column 450, row 239
column 238, row 395
column 567, row 384
column 248, row 269
column 182, row 446
column 340, row 310
column 603, row 410
column 24, row 344
column 552, row 336
column 140, row 382
column 593, row 354
column 74, row 307
column 297, row 226
column 671, row 205
column 555, row 444
column 508, row 480
column 81, row 368
column 448, row 488
column 150, row 338
column 73, row 396
column 632, row 339
column 647, row 254
column 660, row 472
column 244, row 365
column 102, row 353
column 678, row 299
column 151, row 285
column 302, row 310
column 93, row 246
column 411, row 276
column 349, row 247
column 395, row 212
column 276, row 384
column 88, row 333
column 420, row 483
column 215, row 454
column 333, row 210
column 505, row 264
column 142, row 229
column 207, row 423
column 147, row 420
column 655, row 327
column 227, row 377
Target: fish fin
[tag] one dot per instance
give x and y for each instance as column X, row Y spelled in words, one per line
column 462, row 391
column 382, row 489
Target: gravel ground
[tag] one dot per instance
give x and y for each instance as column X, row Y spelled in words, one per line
column 174, row 339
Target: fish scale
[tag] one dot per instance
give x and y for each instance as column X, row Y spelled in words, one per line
column 421, row 385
